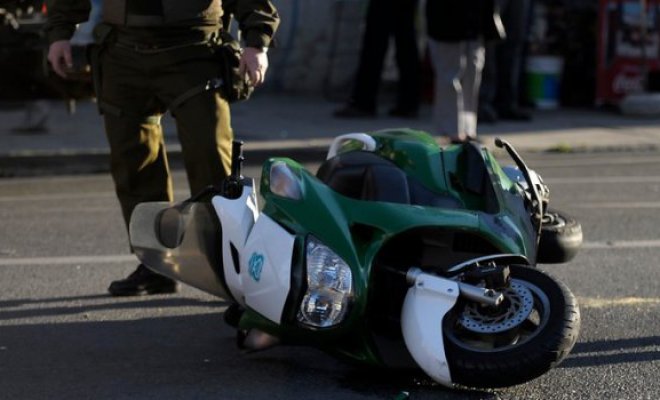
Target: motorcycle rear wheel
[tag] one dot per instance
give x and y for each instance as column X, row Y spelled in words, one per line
column 532, row 331
column 561, row 238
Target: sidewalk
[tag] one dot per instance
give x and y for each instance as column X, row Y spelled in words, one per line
column 302, row 127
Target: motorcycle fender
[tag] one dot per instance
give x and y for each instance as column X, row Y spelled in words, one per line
column 266, row 268
column 424, row 308
column 237, row 218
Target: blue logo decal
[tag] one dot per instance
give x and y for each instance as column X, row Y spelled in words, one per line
column 255, row 266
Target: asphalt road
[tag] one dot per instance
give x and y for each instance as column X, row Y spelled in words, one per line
column 61, row 337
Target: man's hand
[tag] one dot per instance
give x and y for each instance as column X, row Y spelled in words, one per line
column 59, row 55
column 255, row 62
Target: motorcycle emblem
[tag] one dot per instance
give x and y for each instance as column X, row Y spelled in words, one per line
column 255, row 265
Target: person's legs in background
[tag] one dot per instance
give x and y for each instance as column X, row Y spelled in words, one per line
column 375, row 42
column 35, row 118
column 488, row 87
column 448, row 67
column 509, row 58
column 471, row 82
column 407, row 59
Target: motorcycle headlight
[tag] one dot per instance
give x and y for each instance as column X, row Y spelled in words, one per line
column 284, row 182
column 329, row 287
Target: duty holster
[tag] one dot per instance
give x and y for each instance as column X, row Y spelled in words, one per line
column 102, row 34
column 235, row 86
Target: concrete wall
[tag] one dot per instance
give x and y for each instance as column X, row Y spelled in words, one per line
column 318, row 45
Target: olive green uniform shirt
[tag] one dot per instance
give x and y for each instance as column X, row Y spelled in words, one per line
column 257, row 20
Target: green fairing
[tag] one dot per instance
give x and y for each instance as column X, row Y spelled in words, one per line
column 328, row 216
column 415, row 152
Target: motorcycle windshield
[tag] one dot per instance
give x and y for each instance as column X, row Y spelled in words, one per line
column 181, row 242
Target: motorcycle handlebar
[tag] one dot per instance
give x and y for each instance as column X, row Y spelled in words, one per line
column 525, row 171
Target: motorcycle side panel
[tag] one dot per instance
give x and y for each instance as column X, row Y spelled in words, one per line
column 424, row 307
column 266, row 262
column 237, row 217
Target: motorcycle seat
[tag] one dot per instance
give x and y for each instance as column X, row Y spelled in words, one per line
column 364, row 175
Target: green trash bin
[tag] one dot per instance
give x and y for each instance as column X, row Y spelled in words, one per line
column 543, row 80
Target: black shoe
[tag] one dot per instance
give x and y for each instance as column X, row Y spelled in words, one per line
column 354, row 111
column 399, row 112
column 514, row 114
column 141, row 282
column 233, row 314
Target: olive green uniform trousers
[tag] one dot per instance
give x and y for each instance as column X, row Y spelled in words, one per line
column 137, row 86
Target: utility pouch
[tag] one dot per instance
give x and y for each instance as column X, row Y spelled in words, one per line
column 235, row 86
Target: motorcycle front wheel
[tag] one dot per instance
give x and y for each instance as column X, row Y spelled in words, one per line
column 533, row 329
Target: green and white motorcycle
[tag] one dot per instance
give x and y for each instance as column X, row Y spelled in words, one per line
column 397, row 253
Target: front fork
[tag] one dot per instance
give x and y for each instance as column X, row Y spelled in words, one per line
column 431, row 297
column 426, row 303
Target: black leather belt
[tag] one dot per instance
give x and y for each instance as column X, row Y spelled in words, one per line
column 144, row 20
column 142, row 47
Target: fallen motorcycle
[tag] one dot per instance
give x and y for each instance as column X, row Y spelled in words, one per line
column 397, row 253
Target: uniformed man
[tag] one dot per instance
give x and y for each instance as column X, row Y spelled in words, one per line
column 151, row 56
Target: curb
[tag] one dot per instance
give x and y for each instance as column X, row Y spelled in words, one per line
column 93, row 161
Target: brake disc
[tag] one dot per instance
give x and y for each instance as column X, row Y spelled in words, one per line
column 517, row 306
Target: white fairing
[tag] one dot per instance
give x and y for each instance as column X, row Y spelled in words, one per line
column 266, row 268
column 237, row 217
column 426, row 304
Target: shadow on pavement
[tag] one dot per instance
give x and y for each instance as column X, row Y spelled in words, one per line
column 598, row 353
column 111, row 304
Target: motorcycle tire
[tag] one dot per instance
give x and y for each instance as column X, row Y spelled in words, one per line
column 522, row 352
column 561, row 238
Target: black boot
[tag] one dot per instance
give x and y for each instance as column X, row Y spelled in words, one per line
column 233, row 314
column 141, row 282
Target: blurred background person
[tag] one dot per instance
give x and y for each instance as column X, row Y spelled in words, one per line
column 37, row 112
column 386, row 20
column 457, row 31
column 500, row 89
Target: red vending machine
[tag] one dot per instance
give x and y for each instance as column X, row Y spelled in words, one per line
column 627, row 52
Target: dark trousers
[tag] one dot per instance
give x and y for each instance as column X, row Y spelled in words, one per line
column 387, row 19
column 136, row 88
column 501, row 79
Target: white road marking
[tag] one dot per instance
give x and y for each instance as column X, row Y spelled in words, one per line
column 618, row 204
column 597, row 302
column 573, row 161
column 58, row 197
column 621, row 244
column 67, row 260
column 74, row 196
column 121, row 258
column 601, row 179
